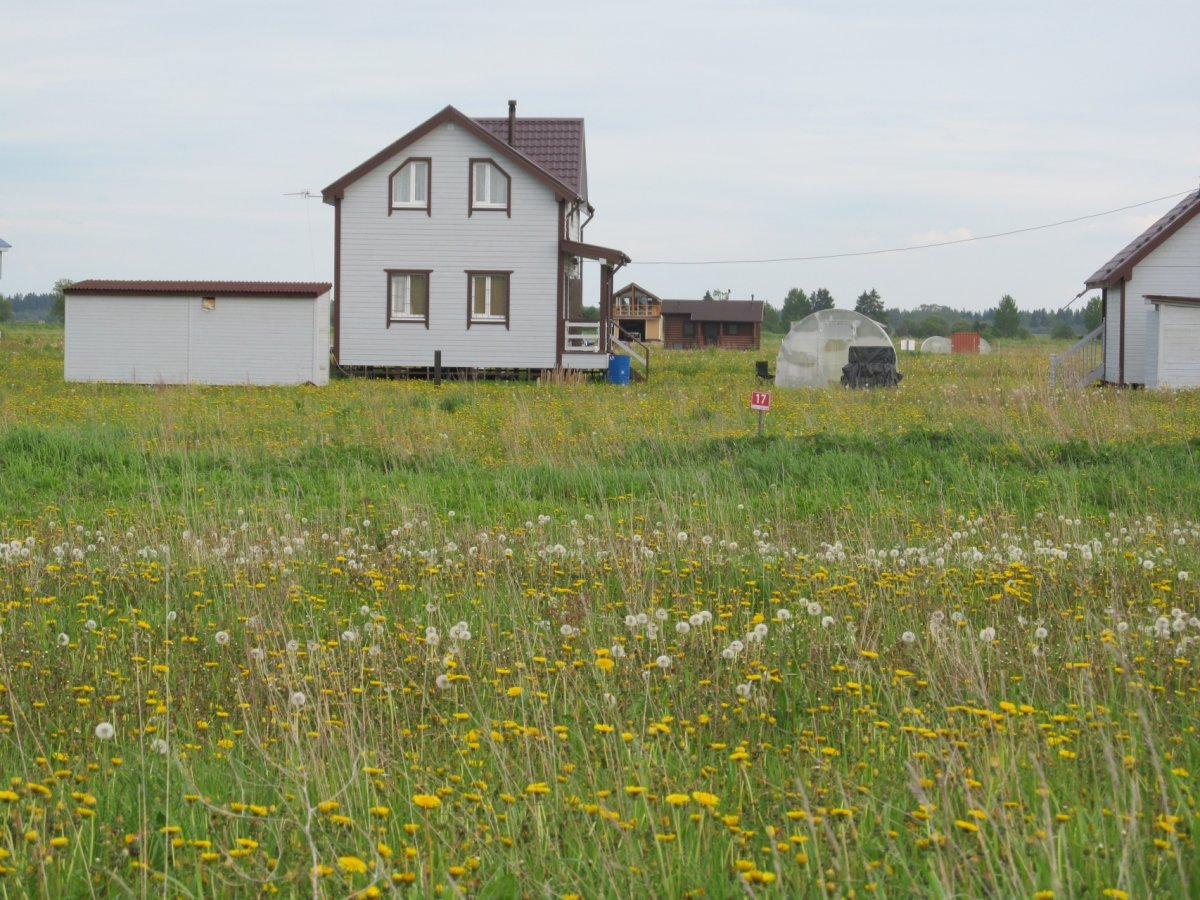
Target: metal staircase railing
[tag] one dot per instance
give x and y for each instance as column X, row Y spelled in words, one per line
column 621, row 341
column 1080, row 364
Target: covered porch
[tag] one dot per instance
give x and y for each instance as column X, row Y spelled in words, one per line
column 584, row 344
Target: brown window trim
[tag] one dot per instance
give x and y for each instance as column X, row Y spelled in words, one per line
column 471, row 207
column 507, row 273
column 410, row 320
column 391, row 197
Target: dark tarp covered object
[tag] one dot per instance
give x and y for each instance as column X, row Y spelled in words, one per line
column 871, row 367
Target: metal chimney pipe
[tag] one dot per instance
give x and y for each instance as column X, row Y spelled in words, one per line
column 512, row 122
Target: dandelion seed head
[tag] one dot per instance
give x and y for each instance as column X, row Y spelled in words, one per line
column 105, row 731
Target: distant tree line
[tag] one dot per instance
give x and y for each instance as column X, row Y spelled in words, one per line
column 1004, row 320
column 26, row 307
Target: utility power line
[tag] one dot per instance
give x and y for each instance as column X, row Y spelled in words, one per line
column 967, row 240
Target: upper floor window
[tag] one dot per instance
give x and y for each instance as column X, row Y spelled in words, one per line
column 410, row 185
column 489, row 186
column 408, row 296
column 488, row 297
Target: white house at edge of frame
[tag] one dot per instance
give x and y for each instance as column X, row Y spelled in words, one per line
column 1151, row 296
column 464, row 238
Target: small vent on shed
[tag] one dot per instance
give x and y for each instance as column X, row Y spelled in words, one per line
column 208, row 302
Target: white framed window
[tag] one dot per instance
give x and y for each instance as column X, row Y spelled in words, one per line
column 488, row 296
column 489, row 186
column 408, row 295
column 411, row 185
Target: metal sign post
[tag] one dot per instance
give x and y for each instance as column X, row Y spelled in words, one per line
column 761, row 401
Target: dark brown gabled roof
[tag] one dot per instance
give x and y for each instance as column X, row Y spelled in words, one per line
column 1121, row 265
column 554, row 144
column 561, row 189
column 715, row 310
column 207, row 288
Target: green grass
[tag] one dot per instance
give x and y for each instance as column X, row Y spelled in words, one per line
column 324, row 531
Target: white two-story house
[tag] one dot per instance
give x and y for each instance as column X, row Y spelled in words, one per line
column 463, row 241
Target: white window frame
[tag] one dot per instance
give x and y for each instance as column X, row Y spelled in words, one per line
column 404, row 312
column 407, row 175
column 488, row 316
column 493, row 177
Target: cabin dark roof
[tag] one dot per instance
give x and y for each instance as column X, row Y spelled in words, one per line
column 209, row 288
column 554, row 144
column 1121, row 265
column 715, row 310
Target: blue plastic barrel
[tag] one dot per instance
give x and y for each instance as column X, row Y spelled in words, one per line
column 618, row 369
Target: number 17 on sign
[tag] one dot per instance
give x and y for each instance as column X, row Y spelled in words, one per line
column 761, row 401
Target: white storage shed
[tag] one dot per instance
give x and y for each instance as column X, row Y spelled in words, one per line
column 197, row 332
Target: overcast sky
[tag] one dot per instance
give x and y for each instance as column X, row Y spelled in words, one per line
column 158, row 139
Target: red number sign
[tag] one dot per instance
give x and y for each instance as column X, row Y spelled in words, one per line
column 760, row 400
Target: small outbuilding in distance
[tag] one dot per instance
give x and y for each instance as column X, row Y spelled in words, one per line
column 819, row 347
column 197, row 332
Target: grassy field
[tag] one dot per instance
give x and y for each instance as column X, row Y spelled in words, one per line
column 501, row 640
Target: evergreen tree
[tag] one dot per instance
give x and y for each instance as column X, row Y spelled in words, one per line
column 796, row 306
column 1007, row 320
column 870, row 304
column 821, row 299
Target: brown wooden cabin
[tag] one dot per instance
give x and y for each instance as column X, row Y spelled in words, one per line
column 725, row 324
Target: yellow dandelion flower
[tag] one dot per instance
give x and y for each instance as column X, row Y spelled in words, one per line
column 537, row 787
column 601, row 728
column 515, row 691
column 605, row 664
column 706, row 799
column 965, row 825
column 59, row 841
column 327, row 806
column 634, row 789
column 427, row 801
column 352, row 865
column 380, row 811
column 677, row 799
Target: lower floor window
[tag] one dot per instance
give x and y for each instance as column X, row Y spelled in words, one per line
column 408, row 296
column 488, row 300
column 689, row 329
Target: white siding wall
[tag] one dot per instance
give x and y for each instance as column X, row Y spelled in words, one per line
column 449, row 243
column 172, row 340
column 1173, row 269
column 1177, row 354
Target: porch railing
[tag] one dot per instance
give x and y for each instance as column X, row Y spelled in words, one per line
column 1080, row 364
column 583, row 337
column 636, row 310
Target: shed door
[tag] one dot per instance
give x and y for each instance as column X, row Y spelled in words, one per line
column 712, row 333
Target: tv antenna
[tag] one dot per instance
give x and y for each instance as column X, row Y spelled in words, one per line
column 307, row 195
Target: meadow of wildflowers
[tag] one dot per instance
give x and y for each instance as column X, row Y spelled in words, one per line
column 504, row 640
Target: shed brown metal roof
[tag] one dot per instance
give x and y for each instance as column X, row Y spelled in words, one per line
column 715, row 310
column 1121, row 265
column 207, row 288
